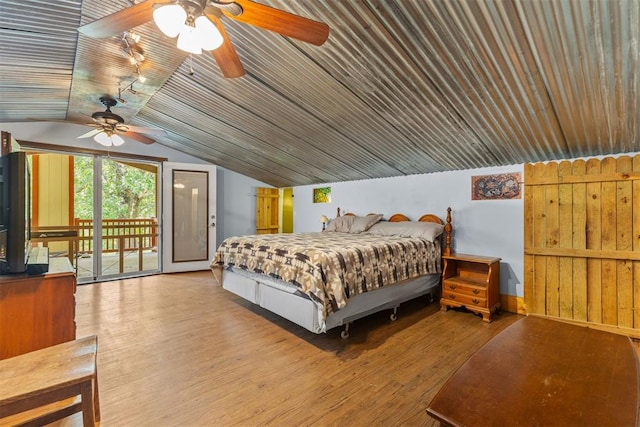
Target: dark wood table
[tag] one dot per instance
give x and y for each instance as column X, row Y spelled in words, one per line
column 541, row 372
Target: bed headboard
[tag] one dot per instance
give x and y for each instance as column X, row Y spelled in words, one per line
column 448, row 228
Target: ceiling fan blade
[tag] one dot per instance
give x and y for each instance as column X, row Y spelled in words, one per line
column 138, row 137
column 71, row 122
column 142, row 129
column 122, row 20
column 281, row 22
column 226, row 56
column 90, row 133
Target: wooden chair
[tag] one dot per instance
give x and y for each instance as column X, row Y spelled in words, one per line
column 53, row 374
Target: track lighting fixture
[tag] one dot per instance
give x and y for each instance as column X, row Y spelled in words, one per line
column 133, row 52
column 140, row 78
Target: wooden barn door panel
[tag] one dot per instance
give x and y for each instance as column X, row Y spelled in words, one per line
column 267, row 211
column 582, row 241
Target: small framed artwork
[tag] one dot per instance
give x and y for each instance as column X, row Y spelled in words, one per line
column 322, row 195
column 501, row 186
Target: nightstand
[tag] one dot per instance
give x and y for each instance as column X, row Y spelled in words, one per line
column 473, row 282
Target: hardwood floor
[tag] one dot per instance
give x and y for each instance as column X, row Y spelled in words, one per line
column 178, row 350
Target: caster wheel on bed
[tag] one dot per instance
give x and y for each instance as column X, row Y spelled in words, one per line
column 345, row 332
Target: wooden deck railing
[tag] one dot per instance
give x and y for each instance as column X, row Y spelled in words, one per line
column 118, row 235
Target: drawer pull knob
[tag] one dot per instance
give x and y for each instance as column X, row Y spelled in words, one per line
column 452, row 296
column 475, row 301
column 452, row 286
column 476, row 292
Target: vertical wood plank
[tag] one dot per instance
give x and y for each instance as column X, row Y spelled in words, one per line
column 579, row 241
column 539, row 237
column 594, row 241
column 609, row 237
column 565, row 240
column 552, row 240
column 636, row 244
column 528, row 239
column 624, row 242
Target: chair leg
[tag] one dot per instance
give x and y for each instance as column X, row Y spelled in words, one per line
column 96, row 396
column 88, row 410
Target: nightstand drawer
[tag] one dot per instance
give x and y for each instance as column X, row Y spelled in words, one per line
column 465, row 288
column 466, row 300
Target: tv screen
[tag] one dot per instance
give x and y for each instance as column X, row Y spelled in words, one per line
column 3, row 245
column 15, row 212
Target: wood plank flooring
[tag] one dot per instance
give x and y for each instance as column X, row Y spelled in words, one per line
column 178, row 350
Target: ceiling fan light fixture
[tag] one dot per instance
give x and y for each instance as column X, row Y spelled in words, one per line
column 189, row 40
column 170, row 19
column 208, row 34
column 108, row 140
column 116, row 140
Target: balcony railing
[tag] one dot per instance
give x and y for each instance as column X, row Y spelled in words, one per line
column 118, row 235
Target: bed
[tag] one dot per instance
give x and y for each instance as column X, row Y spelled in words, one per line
column 358, row 266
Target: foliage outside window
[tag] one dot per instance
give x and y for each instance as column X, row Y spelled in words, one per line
column 128, row 192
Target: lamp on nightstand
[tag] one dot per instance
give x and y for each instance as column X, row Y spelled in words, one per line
column 324, row 220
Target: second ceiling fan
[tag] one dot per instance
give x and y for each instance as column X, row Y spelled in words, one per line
column 110, row 125
column 197, row 25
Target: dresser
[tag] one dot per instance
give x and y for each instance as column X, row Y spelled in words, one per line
column 473, row 282
column 37, row 311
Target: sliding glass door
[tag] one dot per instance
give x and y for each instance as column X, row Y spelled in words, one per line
column 126, row 236
column 104, row 211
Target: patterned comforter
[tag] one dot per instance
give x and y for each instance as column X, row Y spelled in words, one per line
column 331, row 267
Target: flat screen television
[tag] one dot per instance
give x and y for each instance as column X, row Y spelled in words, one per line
column 15, row 212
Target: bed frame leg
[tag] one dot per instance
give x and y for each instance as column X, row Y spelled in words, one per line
column 394, row 315
column 345, row 332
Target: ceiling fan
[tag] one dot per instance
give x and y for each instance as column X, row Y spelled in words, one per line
column 197, row 25
column 109, row 126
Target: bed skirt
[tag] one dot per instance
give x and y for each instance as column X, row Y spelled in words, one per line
column 283, row 298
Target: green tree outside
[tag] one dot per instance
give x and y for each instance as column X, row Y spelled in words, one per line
column 128, row 192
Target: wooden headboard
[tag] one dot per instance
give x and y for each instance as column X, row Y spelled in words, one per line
column 448, row 228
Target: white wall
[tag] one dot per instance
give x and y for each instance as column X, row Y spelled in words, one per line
column 487, row 227
column 236, row 199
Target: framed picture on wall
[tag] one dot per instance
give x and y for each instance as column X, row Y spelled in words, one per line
column 496, row 187
column 322, row 195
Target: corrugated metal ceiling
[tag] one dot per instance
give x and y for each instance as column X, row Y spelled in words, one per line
column 401, row 87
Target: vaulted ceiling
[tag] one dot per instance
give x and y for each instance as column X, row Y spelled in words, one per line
column 400, row 87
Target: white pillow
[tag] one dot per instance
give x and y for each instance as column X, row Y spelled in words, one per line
column 424, row 230
column 341, row 224
column 353, row 223
column 363, row 223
